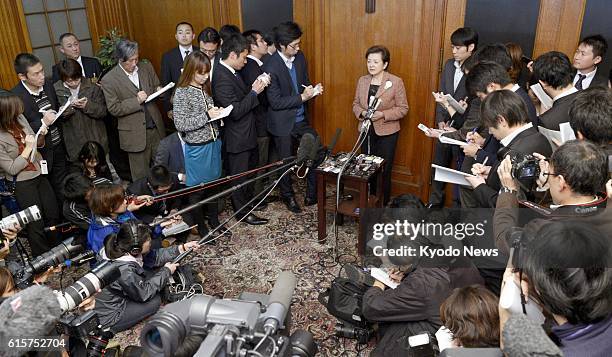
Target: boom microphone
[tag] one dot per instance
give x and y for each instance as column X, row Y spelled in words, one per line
column 31, row 312
column 280, row 301
column 304, row 151
column 524, row 337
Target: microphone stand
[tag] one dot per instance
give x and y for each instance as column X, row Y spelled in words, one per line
column 363, row 135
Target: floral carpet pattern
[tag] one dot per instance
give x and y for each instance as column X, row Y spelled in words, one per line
column 253, row 257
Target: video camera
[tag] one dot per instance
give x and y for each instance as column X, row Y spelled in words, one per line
column 253, row 324
column 24, row 274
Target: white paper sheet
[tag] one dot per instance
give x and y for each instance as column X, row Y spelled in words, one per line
column 546, row 101
column 383, row 277
column 159, row 92
column 455, row 104
column 444, row 174
column 443, row 139
column 224, row 113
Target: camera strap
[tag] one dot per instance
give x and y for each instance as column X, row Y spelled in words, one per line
column 578, row 210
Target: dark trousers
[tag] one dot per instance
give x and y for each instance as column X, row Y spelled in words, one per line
column 263, row 150
column 443, row 156
column 198, row 214
column 38, row 191
column 382, row 146
column 238, row 163
column 135, row 312
column 284, row 147
column 57, row 164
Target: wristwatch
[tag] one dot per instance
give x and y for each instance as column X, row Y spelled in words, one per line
column 506, row 190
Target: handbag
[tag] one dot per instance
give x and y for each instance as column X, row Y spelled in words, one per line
column 344, row 300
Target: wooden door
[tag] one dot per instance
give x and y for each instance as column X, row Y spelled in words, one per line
column 337, row 34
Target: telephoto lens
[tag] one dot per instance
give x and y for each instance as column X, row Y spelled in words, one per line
column 22, row 218
column 24, row 275
column 89, row 284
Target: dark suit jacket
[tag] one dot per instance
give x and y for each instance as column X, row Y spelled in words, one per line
column 227, row 88
column 531, row 110
column 122, row 102
column 559, row 113
column 249, row 73
column 446, row 85
column 30, row 109
column 171, row 65
column 91, row 65
column 527, row 142
column 170, row 154
column 282, row 98
column 600, row 79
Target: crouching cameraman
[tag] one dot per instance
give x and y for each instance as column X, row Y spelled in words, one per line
column 413, row 307
column 574, row 176
column 137, row 293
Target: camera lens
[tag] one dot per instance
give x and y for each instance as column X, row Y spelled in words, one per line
column 154, row 338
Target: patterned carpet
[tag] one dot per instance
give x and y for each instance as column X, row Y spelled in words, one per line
column 253, row 257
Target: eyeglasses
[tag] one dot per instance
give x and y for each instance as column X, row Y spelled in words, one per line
column 209, row 52
column 296, row 46
column 548, row 175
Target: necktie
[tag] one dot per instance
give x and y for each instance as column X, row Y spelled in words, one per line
column 187, row 53
column 581, row 77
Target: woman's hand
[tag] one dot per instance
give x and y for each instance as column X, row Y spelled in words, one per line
column 143, row 200
column 214, row 112
column 377, row 115
column 30, row 142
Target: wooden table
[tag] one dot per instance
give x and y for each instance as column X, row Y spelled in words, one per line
column 358, row 187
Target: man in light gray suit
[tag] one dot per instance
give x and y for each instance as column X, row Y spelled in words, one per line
column 126, row 88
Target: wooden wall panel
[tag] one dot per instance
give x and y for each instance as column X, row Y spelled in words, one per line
column 337, row 34
column 559, row 25
column 104, row 15
column 15, row 39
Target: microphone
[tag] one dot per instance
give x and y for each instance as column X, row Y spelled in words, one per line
column 79, row 259
column 333, row 142
column 280, row 301
column 524, row 337
column 304, row 151
column 31, row 312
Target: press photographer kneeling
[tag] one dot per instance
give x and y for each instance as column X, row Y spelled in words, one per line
column 574, row 176
column 137, row 293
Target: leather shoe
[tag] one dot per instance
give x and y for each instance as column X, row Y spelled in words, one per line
column 254, row 220
column 292, row 204
column 359, row 275
column 310, row 201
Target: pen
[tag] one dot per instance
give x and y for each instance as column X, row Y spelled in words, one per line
column 473, row 131
column 485, row 161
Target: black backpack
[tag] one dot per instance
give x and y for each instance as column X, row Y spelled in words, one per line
column 344, row 300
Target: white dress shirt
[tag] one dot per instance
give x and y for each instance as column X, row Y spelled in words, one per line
column 132, row 76
column 458, row 75
column 257, row 60
column 185, row 51
column 288, row 61
column 586, row 82
column 508, row 139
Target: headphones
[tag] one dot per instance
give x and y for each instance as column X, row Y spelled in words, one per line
column 135, row 247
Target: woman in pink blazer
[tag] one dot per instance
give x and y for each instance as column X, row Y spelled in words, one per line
column 390, row 92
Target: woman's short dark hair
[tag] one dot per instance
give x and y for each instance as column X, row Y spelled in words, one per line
column 93, row 150
column 568, row 270
column 105, row 199
column 471, row 314
column 285, row 33
column 503, row 103
column 132, row 234
column 384, row 53
column 69, row 69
